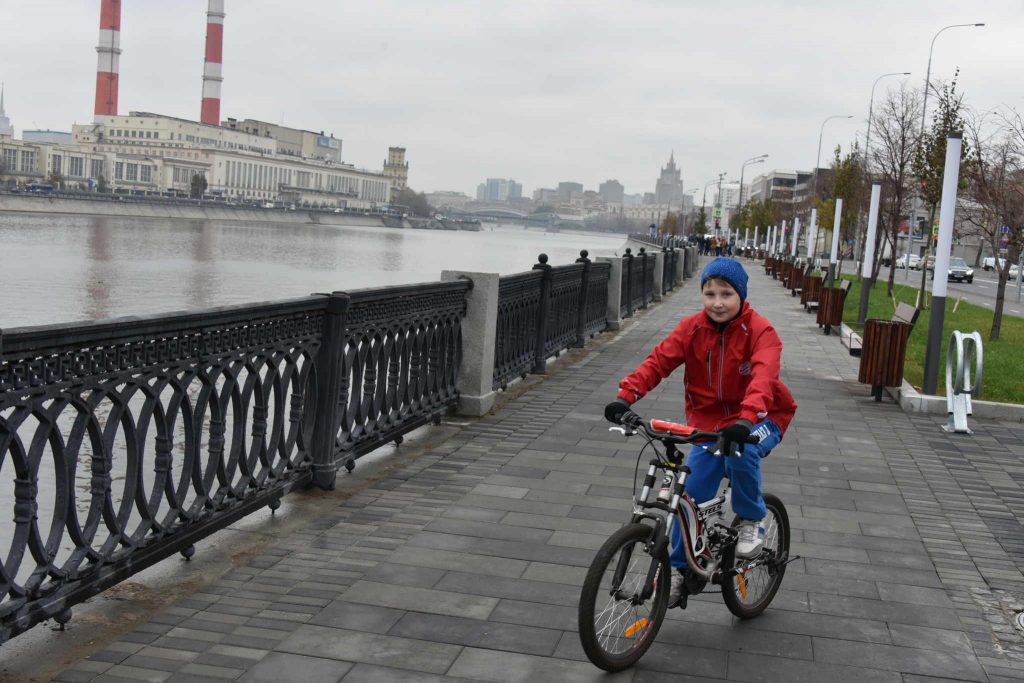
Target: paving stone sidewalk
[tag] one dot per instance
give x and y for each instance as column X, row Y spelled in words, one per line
column 466, row 564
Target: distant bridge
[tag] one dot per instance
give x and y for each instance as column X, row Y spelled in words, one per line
column 507, row 213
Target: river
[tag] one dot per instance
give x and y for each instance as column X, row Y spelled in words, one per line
column 58, row 268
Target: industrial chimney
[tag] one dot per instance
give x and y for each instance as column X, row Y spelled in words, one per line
column 109, row 50
column 212, row 78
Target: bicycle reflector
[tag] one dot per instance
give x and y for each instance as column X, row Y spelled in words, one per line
column 635, row 627
column 672, row 427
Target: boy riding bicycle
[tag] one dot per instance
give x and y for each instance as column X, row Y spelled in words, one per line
column 731, row 383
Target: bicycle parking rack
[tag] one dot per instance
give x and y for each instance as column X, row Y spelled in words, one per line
column 963, row 351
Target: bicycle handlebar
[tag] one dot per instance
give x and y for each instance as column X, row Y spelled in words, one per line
column 666, row 431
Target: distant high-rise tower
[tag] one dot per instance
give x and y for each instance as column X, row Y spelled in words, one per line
column 669, row 188
column 397, row 169
column 6, row 129
column 108, row 62
column 212, row 77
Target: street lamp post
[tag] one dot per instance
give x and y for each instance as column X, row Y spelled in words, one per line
column 704, row 200
column 821, row 134
column 924, row 109
column 748, row 162
column 867, row 136
column 871, row 105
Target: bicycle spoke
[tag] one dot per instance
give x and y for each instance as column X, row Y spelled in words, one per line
column 615, row 622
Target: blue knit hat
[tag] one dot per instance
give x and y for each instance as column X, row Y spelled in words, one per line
column 727, row 269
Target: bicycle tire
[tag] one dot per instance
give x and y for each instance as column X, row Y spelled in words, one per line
column 760, row 579
column 614, row 633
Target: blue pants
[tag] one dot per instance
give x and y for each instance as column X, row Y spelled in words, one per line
column 707, row 470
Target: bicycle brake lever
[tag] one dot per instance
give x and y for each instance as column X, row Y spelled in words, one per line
column 625, row 431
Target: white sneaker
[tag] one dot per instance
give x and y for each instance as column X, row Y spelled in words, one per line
column 751, row 538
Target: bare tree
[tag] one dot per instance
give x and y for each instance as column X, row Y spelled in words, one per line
column 996, row 194
column 894, row 125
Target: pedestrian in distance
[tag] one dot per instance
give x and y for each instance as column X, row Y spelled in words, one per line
column 732, row 356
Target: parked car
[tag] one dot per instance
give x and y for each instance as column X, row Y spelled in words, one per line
column 958, row 270
column 989, row 263
column 915, row 261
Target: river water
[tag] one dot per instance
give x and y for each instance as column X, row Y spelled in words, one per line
column 56, row 268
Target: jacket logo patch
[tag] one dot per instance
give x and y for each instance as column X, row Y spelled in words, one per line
column 745, row 368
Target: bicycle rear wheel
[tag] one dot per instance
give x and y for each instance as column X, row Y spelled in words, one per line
column 617, row 624
column 748, row 594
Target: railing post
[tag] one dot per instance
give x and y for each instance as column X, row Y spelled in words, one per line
column 581, row 312
column 613, row 311
column 479, row 332
column 327, row 417
column 643, row 277
column 659, row 275
column 539, row 356
column 627, row 275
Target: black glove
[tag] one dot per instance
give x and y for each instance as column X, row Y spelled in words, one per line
column 614, row 411
column 734, row 437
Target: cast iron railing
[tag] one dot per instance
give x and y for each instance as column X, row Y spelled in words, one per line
column 519, row 308
column 127, row 440
column 400, row 358
column 670, row 263
column 545, row 311
column 595, row 317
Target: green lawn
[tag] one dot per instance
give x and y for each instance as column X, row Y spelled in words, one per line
column 1003, row 371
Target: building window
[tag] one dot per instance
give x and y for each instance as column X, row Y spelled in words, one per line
column 28, row 161
column 57, row 162
column 119, row 170
column 77, row 167
column 11, row 159
column 96, row 168
column 132, row 172
column 147, row 173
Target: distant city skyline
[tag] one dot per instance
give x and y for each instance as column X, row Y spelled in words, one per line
column 548, row 97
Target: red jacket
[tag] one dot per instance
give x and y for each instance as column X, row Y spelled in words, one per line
column 730, row 375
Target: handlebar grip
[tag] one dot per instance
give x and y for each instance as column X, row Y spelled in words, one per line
column 631, row 419
column 754, row 439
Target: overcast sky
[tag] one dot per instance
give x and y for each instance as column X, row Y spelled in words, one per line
column 538, row 91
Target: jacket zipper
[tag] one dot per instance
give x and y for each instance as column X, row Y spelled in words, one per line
column 709, row 369
column 721, row 370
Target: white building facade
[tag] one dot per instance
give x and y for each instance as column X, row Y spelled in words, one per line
column 153, row 153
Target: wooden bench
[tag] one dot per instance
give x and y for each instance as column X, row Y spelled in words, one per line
column 884, row 348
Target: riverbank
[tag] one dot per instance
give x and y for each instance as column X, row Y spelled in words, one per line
column 24, row 204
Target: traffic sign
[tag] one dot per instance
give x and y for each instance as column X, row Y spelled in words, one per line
column 1004, row 229
column 717, row 212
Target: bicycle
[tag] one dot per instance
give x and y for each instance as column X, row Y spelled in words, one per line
column 625, row 594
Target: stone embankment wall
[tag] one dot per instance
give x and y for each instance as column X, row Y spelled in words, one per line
column 137, row 209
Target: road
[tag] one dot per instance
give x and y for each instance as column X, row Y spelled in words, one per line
column 981, row 292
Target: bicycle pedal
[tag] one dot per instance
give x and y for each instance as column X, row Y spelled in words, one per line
column 680, row 603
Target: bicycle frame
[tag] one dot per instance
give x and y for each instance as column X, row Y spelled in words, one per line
column 683, row 510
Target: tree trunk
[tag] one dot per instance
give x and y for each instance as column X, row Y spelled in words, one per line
column 997, row 314
column 922, row 295
column 981, row 250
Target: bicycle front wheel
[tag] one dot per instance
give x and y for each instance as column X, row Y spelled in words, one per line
column 617, row 621
column 748, row 594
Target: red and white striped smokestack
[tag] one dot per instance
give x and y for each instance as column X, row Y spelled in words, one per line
column 108, row 62
column 212, row 78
